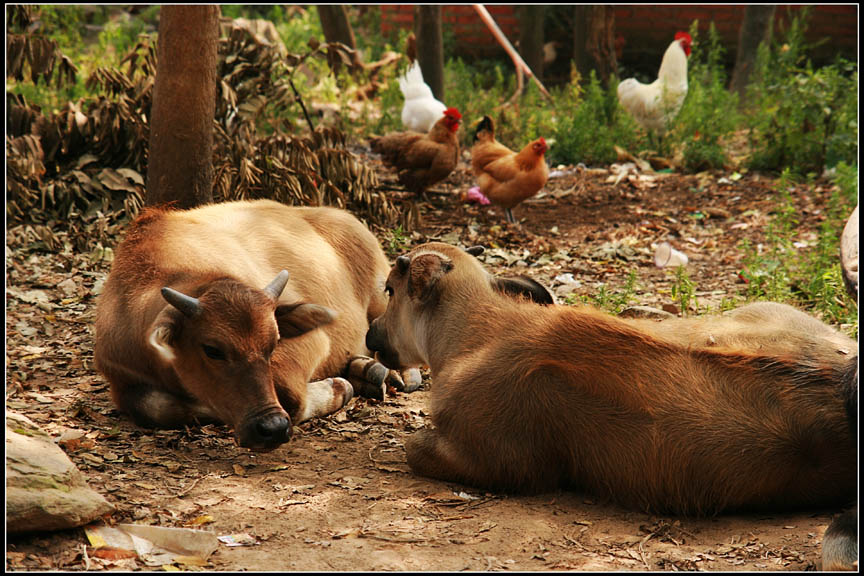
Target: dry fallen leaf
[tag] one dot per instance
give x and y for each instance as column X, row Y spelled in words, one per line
column 112, row 553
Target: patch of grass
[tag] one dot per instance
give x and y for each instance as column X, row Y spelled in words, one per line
column 767, row 267
column 611, row 301
column 805, row 274
column 727, row 305
column 684, row 291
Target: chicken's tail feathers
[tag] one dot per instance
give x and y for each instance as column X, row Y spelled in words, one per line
column 625, row 86
column 412, row 77
column 485, row 125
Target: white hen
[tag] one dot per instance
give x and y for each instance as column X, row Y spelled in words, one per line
column 655, row 105
column 421, row 109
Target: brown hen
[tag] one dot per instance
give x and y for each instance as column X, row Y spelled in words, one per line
column 506, row 177
column 422, row 160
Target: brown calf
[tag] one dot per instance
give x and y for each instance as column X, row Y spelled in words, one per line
column 690, row 416
column 235, row 312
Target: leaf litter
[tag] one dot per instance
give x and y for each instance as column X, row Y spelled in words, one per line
column 342, row 480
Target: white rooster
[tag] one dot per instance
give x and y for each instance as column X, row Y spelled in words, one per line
column 421, row 109
column 655, row 105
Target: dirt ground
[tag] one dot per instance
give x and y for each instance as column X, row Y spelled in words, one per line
column 340, row 496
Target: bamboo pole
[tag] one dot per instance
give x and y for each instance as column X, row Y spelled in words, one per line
column 505, row 43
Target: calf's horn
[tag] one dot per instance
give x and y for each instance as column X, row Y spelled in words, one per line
column 275, row 288
column 186, row 304
column 402, row 263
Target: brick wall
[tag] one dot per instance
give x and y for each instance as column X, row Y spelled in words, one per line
column 649, row 29
column 643, row 31
column 462, row 22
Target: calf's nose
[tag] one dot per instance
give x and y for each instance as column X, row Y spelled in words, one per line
column 273, row 429
column 373, row 338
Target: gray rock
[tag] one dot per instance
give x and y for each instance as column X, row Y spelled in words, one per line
column 44, row 489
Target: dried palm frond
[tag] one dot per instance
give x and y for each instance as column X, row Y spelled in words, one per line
column 85, row 164
column 28, row 49
column 314, row 170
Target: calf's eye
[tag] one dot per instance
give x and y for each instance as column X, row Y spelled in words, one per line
column 213, row 353
column 389, row 290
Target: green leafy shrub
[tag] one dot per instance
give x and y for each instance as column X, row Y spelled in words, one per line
column 709, row 112
column 803, row 118
column 476, row 91
column 296, row 30
column 590, row 124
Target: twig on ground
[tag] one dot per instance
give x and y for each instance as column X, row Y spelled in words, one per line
column 191, row 486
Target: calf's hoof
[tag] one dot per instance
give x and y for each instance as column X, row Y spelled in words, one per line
column 368, row 376
column 342, row 388
column 408, row 381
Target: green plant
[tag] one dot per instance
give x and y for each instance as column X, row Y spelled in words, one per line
column 591, row 123
column 803, row 118
column 767, row 268
column 390, row 100
column 296, row 30
column 684, row 290
column 397, row 241
column 613, row 302
column 727, row 304
column 785, row 269
column 475, row 91
column 710, row 111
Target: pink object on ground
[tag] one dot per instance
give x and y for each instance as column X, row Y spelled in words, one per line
column 474, row 195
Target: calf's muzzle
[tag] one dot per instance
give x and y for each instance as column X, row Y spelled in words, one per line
column 265, row 432
column 376, row 341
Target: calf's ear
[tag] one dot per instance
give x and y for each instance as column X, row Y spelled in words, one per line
column 297, row 319
column 164, row 332
column 524, row 287
column 425, row 272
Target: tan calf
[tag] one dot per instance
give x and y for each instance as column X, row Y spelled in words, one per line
column 243, row 312
column 693, row 416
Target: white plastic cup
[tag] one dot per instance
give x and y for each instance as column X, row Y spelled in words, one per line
column 665, row 255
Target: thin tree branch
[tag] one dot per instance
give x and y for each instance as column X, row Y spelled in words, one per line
column 299, row 99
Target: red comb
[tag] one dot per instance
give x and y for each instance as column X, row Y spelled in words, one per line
column 453, row 113
column 685, row 35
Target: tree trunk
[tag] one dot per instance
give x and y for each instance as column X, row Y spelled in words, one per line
column 531, row 37
column 180, row 166
column 755, row 29
column 430, row 41
column 335, row 24
column 594, row 41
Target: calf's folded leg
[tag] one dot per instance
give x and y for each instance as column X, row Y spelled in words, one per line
column 324, row 397
column 430, row 454
column 370, row 378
